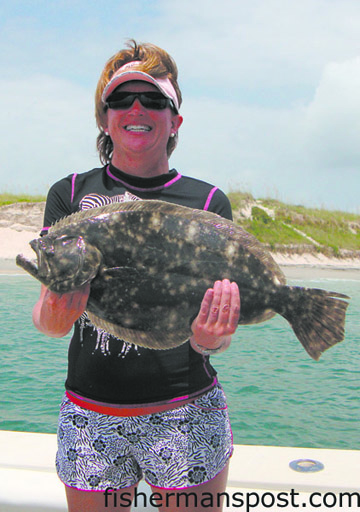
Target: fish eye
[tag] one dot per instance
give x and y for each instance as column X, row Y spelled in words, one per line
column 65, row 240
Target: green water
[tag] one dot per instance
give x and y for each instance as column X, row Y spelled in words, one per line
column 277, row 395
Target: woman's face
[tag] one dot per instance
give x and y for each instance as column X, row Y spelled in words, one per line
column 140, row 134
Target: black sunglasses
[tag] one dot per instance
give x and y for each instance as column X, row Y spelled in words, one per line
column 152, row 100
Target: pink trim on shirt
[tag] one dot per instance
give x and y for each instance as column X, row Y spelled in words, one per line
column 171, row 182
column 73, row 186
column 209, row 198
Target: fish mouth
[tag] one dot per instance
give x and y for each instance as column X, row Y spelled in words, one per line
column 37, row 267
column 30, row 266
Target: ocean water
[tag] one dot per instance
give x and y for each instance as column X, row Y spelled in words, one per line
column 277, row 395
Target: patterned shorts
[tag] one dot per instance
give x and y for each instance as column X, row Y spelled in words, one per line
column 179, row 448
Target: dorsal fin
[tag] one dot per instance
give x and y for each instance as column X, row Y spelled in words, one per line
column 150, row 205
column 92, row 212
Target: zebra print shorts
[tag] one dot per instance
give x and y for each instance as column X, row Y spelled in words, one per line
column 179, row 448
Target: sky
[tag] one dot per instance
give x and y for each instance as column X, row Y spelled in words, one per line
column 271, row 91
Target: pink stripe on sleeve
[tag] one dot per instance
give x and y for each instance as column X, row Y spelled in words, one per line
column 44, row 230
column 210, row 196
column 73, row 186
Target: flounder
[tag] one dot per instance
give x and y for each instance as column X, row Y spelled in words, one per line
column 150, row 263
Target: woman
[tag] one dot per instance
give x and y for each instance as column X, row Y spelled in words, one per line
column 130, row 411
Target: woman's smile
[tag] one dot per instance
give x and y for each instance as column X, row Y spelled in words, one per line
column 137, row 128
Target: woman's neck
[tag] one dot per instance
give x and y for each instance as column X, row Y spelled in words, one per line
column 139, row 166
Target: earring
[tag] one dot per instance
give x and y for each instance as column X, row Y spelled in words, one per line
column 172, row 135
column 106, row 133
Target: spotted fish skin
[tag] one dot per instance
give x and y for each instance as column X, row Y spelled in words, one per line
column 150, row 263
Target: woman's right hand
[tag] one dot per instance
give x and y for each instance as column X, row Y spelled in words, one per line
column 54, row 314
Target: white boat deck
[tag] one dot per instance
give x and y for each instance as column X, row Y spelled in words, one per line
column 259, row 475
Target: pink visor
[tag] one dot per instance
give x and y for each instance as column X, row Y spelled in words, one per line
column 127, row 74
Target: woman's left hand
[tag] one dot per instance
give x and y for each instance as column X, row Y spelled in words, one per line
column 218, row 318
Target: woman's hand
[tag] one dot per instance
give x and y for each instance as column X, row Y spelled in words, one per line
column 54, row 314
column 218, row 318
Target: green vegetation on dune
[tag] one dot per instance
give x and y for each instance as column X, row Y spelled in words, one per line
column 337, row 230
column 272, row 233
column 6, row 198
column 292, row 228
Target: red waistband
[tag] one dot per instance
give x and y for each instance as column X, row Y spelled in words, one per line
column 136, row 410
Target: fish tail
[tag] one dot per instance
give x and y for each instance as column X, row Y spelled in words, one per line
column 316, row 316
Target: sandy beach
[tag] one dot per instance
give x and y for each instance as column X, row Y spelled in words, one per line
column 21, row 222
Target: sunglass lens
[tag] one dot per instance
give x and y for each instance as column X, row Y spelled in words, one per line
column 153, row 100
column 120, row 100
column 150, row 100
